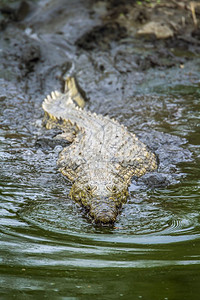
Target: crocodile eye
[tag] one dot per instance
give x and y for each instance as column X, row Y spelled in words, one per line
column 114, row 189
column 111, row 189
column 93, row 189
column 90, row 189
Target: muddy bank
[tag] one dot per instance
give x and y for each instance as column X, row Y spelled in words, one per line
column 136, row 35
column 48, row 247
column 105, row 37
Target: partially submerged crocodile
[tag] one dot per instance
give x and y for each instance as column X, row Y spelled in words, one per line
column 103, row 155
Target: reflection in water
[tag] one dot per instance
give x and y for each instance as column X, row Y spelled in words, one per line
column 44, row 233
column 42, row 227
column 48, row 247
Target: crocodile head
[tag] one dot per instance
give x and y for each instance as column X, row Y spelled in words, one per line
column 102, row 201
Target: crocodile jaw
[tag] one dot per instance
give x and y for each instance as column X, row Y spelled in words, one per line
column 102, row 205
column 103, row 211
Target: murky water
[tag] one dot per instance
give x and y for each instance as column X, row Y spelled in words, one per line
column 48, row 248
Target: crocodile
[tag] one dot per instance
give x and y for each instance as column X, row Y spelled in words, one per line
column 102, row 156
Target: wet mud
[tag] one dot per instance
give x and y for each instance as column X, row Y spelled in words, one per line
column 48, row 246
column 125, row 73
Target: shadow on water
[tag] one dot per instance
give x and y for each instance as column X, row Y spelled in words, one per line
column 48, row 247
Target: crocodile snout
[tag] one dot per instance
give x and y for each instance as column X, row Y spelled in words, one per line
column 103, row 213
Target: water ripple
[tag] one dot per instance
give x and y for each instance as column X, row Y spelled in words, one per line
column 41, row 227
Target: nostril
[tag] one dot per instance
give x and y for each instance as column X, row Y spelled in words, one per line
column 104, row 216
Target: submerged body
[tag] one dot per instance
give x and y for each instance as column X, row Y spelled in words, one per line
column 103, row 155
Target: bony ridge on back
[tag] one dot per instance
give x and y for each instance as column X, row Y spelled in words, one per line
column 103, row 155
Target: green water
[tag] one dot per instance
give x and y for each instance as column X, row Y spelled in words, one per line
column 48, row 247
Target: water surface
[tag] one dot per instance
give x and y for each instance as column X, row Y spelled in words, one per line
column 48, row 247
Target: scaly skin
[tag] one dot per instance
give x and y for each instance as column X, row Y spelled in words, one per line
column 103, row 155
